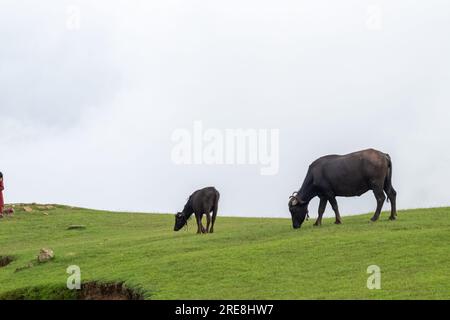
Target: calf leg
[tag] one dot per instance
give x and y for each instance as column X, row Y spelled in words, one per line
column 379, row 195
column 203, row 228
column 335, row 207
column 322, row 206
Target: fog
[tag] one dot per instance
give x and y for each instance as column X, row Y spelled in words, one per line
column 92, row 93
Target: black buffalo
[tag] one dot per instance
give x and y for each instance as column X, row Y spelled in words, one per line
column 203, row 201
column 344, row 176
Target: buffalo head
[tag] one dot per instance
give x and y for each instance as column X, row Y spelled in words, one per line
column 298, row 209
column 180, row 221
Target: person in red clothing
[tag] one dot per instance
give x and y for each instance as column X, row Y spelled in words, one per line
column 2, row 203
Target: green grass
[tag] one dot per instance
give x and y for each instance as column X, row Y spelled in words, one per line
column 247, row 258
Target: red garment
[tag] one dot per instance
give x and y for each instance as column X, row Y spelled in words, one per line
column 2, row 203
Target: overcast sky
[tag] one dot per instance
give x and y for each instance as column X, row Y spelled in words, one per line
column 91, row 93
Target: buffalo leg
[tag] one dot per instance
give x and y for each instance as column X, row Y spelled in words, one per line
column 392, row 196
column 379, row 195
column 208, row 221
column 199, row 224
column 213, row 220
column 335, row 207
column 322, row 206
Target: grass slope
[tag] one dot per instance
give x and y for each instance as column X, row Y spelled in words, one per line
column 247, row 258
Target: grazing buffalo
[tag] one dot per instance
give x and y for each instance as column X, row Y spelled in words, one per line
column 203, row 201
column 344, row 176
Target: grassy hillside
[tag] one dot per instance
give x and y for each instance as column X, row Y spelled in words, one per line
column 245, row 259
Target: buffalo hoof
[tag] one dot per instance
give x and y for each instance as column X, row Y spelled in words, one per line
column 338, row 222
column 392, row 218
column 373, row 219
column 316, row 224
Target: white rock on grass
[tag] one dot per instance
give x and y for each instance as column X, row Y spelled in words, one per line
column 45, row 255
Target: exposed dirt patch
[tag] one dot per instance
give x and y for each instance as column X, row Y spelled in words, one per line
column 76, row 227
column 107, row 291
column 5, row 260
column 89, row 291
